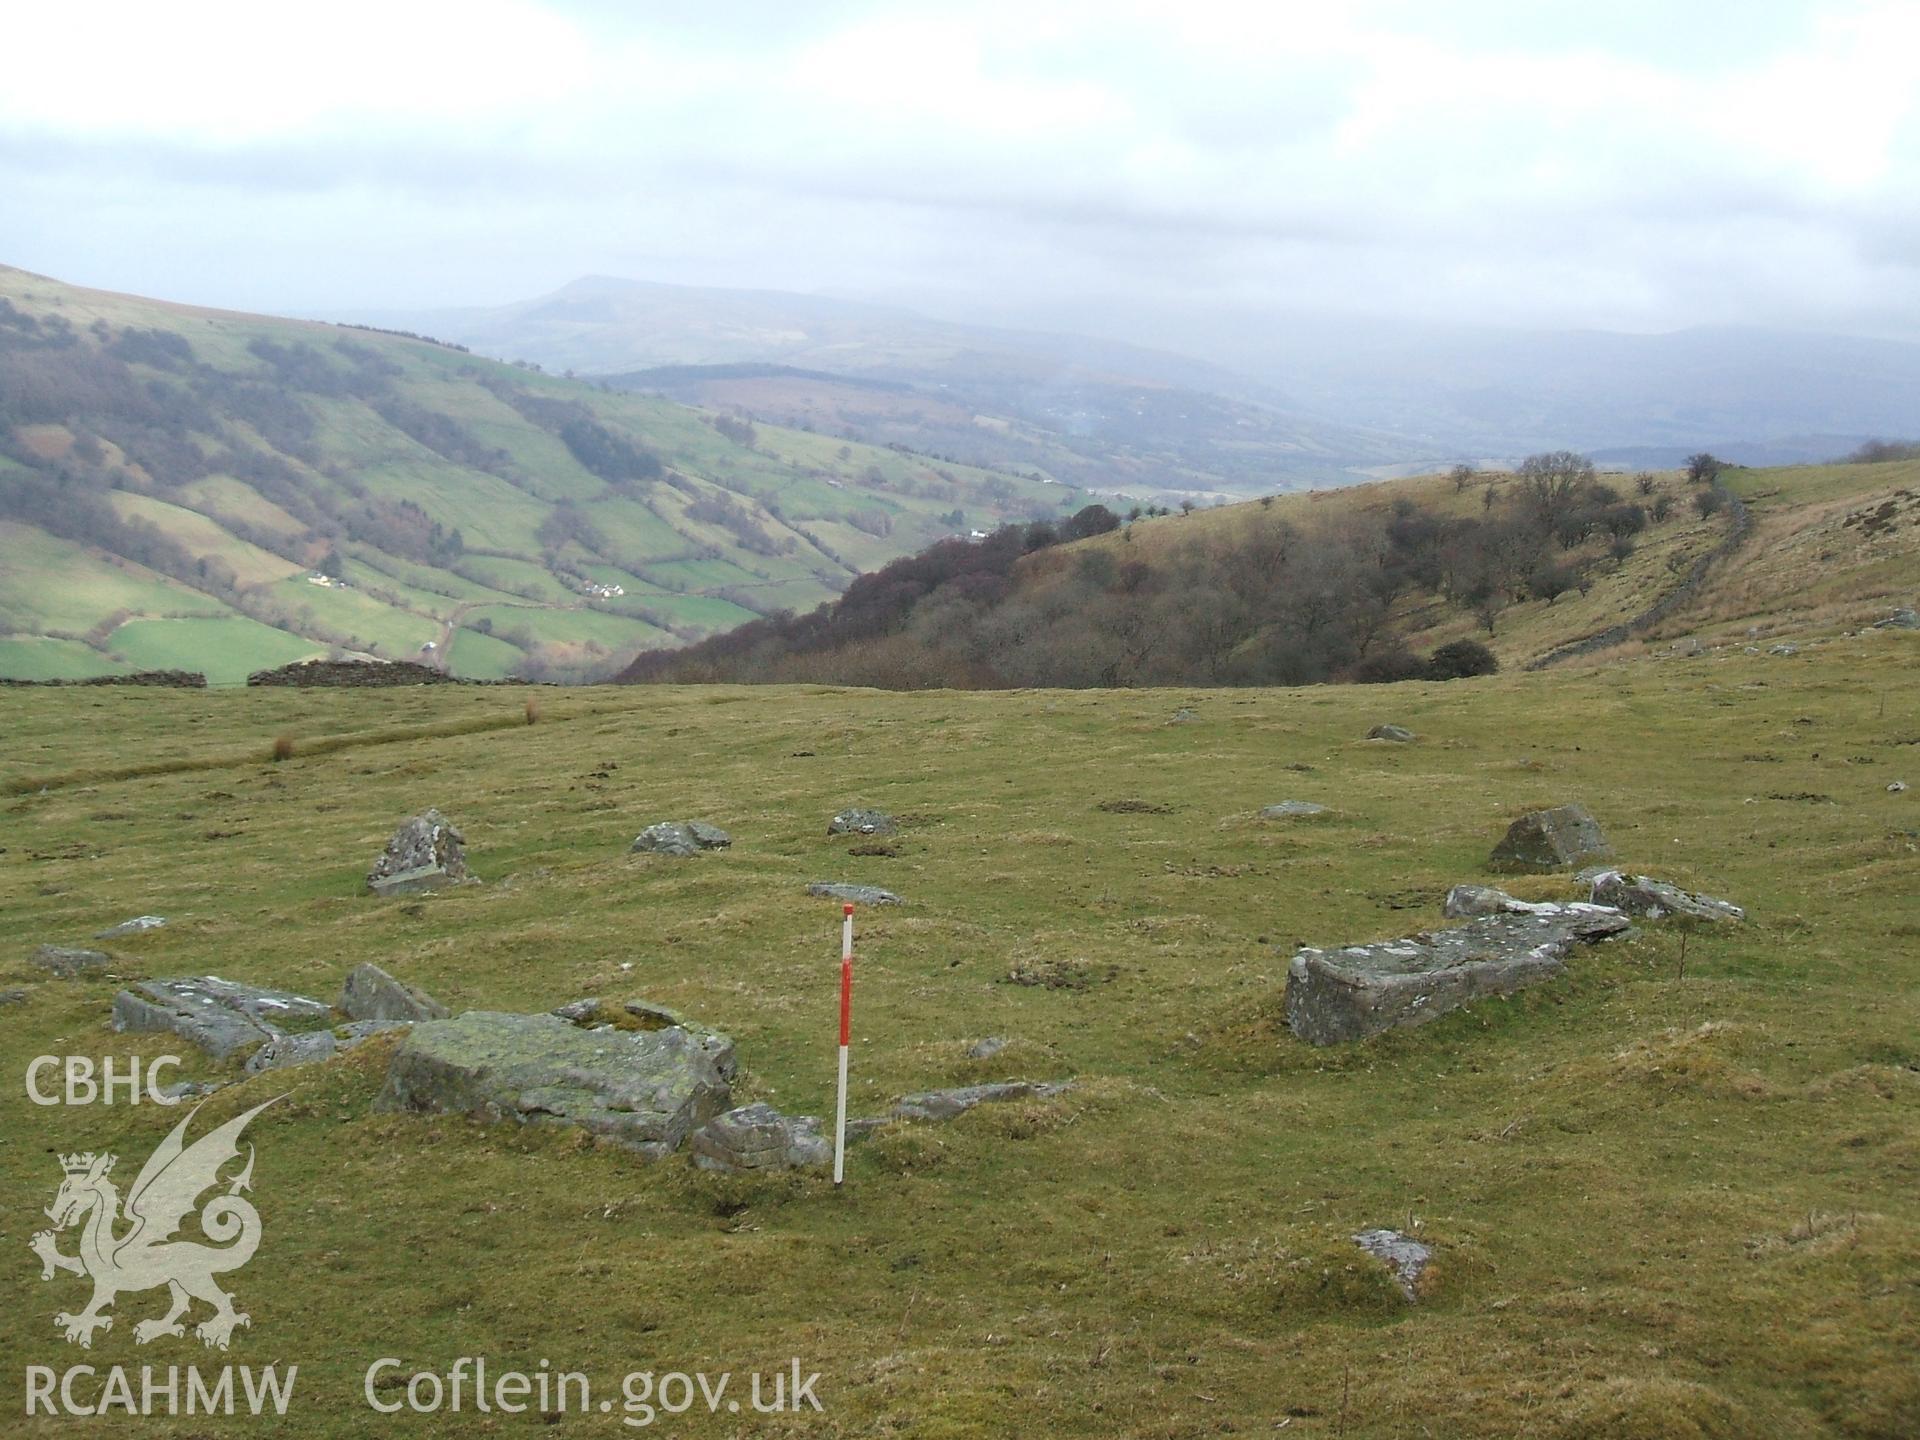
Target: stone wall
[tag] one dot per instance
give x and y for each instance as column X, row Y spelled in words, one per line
column 353, row 672
column 178, row 679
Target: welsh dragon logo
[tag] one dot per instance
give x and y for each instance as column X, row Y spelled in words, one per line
column 136, row 1250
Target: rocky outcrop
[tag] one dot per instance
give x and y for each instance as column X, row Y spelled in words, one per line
column 426, row 853
column 757, row 1138
column 681, row 837
column 1334, row 996
column 1901, row 619
column 857, row 894
column 856, row 821
column 370, row 993
column 946, row 1104
column 1398, row 733
column 1652, row 899
column 221, row 1016
column 69, row 963
column 1555, row 839
column 646, row 1090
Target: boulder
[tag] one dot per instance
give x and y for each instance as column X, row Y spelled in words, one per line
column 1390, row 732
column 858, row 894
column 69, row 963
column 1655, row 899
column 1183, row 717
column 644, row 1015
column 1901, row 619
column 986, row 1049
column 759, row 1137
column 1402, row 1254
column 1550, row 840
column 946, row 1104
column 426, row 853
column 1334, row 996
column 681, row 837
column 140, row 924
column 646, row 1090
column 1292, row 810
column 221, row 1016
column 856, row 821
column 1897, row 787
column 370, row 993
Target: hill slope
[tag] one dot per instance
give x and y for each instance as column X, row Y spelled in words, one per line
column 173, row 480
column 1348, row 584
column 1093, row 412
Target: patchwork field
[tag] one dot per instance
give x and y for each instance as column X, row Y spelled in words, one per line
column 1675, row 1194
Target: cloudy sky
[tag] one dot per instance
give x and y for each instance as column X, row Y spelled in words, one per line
column 1643, row 164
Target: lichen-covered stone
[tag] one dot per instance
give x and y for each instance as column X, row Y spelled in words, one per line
column 759, row 1137
column 1292, row 810
column 222, row 1017
column 1656, row 900
column 856, row 821
column 1348, row 994
column 370, row 993
column 139, row 925
column 858, row 894
column 1555, row 839
column 426, row 853
column 1402, row 1254
column 647, row 1090
column 681, row 837
column 70, row 963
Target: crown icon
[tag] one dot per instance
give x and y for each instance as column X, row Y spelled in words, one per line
column 80, row 1163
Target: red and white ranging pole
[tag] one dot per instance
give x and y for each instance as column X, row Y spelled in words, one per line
column 846, row 1035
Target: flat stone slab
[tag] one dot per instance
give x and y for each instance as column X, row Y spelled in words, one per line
column 858, row 894
column 370, row 993
column 139, row 925
column 1556, row 839
column 69, row 963
column 1656, row 900
column 680, row 837
column 643, row 1089
column 1402, row 1254
column 759, row 1137
column 856, row 821
column 1398, row 733
column 1471, row 902
column 1292, row 810
column 220, row 1016
column 1335, row 996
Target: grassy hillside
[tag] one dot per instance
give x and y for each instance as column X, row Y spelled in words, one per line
column 1665, row 1200
column 1359, row 583
column 170, row 478
column 1084, row 411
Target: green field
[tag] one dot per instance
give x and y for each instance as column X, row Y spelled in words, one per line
column 225, row 650
column 266, row 445
column 36, row 658
column 1672, row 1194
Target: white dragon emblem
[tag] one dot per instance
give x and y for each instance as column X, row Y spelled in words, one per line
column 146, row 1256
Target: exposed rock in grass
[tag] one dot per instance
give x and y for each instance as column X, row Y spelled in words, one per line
column 1183, row 717
column 191, row 1089
column 221, row 1016
column 759, row 1137
column 644, row 1015
column 426, row 853
column 1897, row 787
column 1901, row 619
column 136, row 926
column 681, row 837
column 1292, row 810
column 370, row 993
column 947, row 1104
column 986, row 1049
column 1656, row 899
column 1402, row 1254
column 287, row 1051
column 13, row 997
column 1060, row 974
column 1133, row 807
column 1348, row 994
column 855, row 821
column 1550, row 840
column 643, row 1089
column 1390, row 732
column 70, row 963
column 858, row 894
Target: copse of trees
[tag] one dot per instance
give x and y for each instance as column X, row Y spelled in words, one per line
column 1878, row 452
column 1264, row 602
